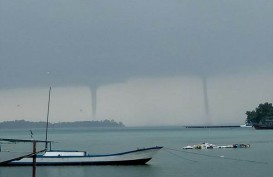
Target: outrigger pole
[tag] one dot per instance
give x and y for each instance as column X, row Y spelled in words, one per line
column 33, row 154
column 48, row 105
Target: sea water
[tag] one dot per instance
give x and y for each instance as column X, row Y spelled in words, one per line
column 171, row 161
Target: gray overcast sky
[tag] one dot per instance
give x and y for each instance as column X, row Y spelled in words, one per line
column 159, row 45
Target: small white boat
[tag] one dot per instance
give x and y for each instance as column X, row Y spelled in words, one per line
column 246, row 126
column 201, row 146
column 136, row 157
column 226, row 146
column 188, row 147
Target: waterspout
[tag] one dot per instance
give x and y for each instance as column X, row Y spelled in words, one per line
column 206, row 101
column 93, row 90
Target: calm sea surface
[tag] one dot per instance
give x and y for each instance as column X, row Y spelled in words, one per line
column 250, row 162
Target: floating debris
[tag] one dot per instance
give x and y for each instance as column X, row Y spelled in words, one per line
column 213, row 146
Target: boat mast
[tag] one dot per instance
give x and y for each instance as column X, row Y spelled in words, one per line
column 48, row 104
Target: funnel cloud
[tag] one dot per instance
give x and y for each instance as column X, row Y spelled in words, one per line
column 94, row 101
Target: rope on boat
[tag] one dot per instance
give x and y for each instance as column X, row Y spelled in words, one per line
column 179, row 156
column 214, row 156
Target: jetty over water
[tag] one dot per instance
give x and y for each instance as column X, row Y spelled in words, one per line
column 213, row 126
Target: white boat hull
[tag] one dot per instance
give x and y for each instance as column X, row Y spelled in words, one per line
column 137, row 157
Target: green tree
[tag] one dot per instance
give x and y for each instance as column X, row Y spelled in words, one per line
column 263, row 111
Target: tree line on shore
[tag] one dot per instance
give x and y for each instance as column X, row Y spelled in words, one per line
column 263, row 112
column 18, row 124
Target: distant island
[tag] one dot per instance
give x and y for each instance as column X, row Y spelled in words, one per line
column 21, row 124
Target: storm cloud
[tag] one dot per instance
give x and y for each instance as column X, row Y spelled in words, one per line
column 100, row 42
column 97, row 43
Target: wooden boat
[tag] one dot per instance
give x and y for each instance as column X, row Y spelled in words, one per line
column 264, row 124
column 50, row 158
column 263, row 127
column 61, row 157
